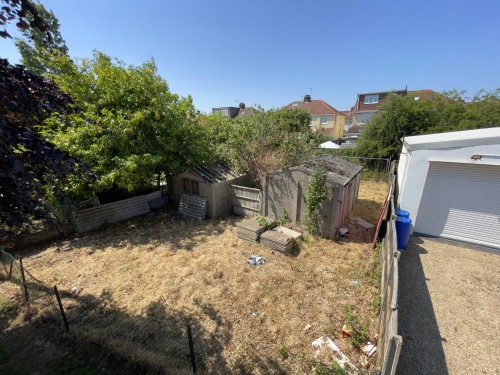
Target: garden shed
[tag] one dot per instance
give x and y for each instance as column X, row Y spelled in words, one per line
column 211, row 182
column 450, row 185
column 284, row 192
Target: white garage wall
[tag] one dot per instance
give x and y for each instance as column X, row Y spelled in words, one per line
column 414, row 165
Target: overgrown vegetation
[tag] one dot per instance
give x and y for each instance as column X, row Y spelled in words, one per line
column 267, row 141
column 316, row 193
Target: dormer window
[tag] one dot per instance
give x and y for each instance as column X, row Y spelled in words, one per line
column 371, row 99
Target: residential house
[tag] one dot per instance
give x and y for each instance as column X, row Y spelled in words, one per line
column 235, row 112
column 324, row 118
column 368, row 104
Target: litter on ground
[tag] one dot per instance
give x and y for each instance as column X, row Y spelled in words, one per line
column 324, row 343
column 255, row 260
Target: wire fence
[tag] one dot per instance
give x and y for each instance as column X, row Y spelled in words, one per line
column 38, row 298
column 378, row 168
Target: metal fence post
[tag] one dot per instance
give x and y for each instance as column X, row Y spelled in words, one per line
column 191, row 349
column 10, row 269
column 61, row 308
column 24, row 279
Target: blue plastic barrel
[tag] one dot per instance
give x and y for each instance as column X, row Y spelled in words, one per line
column 403, row 229
column 402, row 213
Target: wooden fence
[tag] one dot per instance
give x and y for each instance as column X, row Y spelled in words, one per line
column 245, row 201
column 94, row 217
column 389, row 342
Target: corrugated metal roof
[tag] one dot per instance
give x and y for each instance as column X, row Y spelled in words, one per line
column 338, row 171
column 454, row 139
column 214, row 173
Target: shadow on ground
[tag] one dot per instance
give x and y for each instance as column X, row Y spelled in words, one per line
column 106, row 340
column 422, row 351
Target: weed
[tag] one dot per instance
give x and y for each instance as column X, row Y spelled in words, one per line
column 284, row 218
column 359, row 333
column 283, row 352
column 262, row 221
column 359, row 336
column 377, row 301
column 333, row 369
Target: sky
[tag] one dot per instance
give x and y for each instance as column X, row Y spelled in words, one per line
column 273, row 52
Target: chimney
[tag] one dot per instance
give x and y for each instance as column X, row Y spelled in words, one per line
column 307, row 98
column 242, row 105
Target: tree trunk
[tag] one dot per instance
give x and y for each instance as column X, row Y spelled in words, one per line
column 170, row 188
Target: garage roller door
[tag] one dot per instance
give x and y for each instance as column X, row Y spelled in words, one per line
column 461, row 202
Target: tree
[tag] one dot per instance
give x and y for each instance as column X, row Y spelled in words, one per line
column 29, row 164
column 132, row 128
column 36, row 51
column 264, row 142
column 401, row 116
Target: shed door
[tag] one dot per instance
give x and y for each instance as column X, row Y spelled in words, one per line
column 461, row 202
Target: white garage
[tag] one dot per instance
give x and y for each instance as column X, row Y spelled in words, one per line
column 450, row 184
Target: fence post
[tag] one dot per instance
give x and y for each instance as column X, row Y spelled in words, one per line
column 10, row 269
column 191, row 349
column 61, row 308
column 23, row 279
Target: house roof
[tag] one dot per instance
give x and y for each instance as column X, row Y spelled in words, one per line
column 214, row 173
column 381, row 92
column 424, row 94
column 453, row 139
column 338, row 171
column 315, row 107
column 347, row 114
column 355, row 129
column 245, row 112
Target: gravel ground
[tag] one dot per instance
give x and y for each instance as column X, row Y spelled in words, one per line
column 448, row 309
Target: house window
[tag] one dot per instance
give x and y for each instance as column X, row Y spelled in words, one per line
column 191, row 186
column 323, row 120
column 371, row 99
column 365, row 117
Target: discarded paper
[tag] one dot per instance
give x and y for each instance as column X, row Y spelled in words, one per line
column 255, row 260
column 324, row 343
column 369, row 349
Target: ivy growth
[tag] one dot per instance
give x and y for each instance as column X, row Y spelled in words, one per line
column 316, row 193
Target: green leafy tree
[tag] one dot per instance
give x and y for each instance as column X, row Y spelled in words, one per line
column 35, row 49
column 132, row 129
column 401, row 116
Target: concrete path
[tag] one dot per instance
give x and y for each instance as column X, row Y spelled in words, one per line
column 449, row 309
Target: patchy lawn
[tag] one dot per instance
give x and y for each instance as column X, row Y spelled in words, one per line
column 143, row 281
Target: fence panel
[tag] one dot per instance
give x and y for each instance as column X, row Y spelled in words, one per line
column 389, row 342
column 92, row 218
column 245, row 201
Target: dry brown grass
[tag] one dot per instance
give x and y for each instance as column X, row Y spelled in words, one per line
column 371, row 196
column 144, row 280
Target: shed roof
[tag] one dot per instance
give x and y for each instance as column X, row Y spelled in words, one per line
column 453, row 139
column 338, row 171
column 214, row 173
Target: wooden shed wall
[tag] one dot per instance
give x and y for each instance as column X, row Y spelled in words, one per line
column 286, row 191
